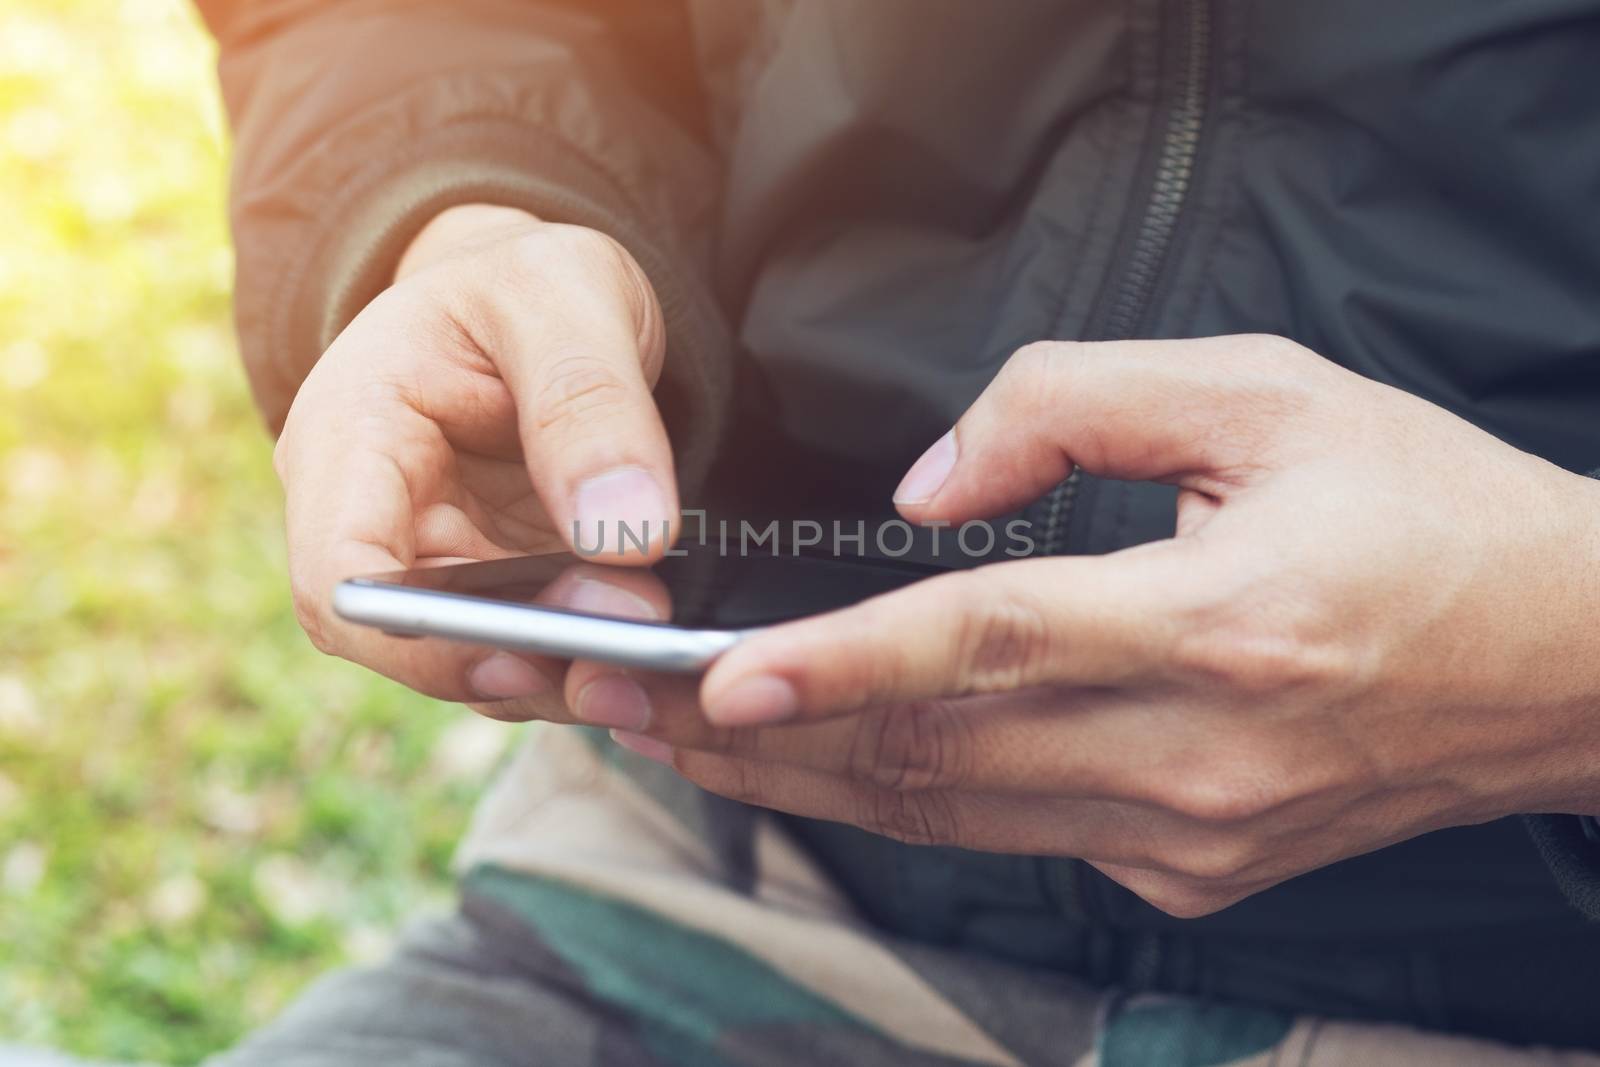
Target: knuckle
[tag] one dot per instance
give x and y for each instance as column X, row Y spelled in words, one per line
column 1002, row 643
column 1216, row 862
column 1272, row 363
column 1028, row 374
column 591, row 247
column 1226, row 789
column 1036, row 357
column 1179, row 897
column 739, row 780
column 1031, row 379
column 538, row 251
column 547, row 265
column 911, row 747
column 911, row 818
column 1254, row 659
column 730, row 741
column 1268, row 349
column 553, row 255
column 1186, row 902
column 575, row 390
column 308, row 612
column 1270, row 375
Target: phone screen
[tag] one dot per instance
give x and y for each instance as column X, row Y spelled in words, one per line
column 707, row 589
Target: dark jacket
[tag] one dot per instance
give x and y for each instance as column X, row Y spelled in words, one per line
column 852, row 207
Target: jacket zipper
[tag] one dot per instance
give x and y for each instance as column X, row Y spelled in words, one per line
column 1170, row 182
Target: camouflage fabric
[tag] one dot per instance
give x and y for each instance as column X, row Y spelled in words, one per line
column 614, row 916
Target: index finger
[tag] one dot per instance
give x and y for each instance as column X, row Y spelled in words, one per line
column 575, row 331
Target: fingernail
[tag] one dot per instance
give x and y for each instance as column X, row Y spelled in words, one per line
column 618, row 511
column 927, row 474
column 602, row 598
column 758, row 701
column 648, row 747
column 614, row 700
column 503, row 677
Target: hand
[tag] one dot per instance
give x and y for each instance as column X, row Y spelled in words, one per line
column 1374, row 620
column 494, row 400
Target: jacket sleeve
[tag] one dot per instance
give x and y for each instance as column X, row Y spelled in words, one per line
column 1570, row 846
column 356, row 121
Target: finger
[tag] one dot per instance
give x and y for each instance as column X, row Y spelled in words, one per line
column 1181, row 896
column 1069, row 621
column 347, row 514
column 603, row 694
column 447, row 670
column 1180, row 866
column 575, row 331
column 1205, row 414
column 1102, row 830
column 595, row 590
column 546, row 705
column 610, row 592
column 1081, row 743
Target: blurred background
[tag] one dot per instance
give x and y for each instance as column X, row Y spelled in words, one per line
column 198, row 812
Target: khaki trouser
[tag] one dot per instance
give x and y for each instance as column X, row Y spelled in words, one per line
column 607, row 922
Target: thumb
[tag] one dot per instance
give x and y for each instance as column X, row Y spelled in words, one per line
column 1204, row 414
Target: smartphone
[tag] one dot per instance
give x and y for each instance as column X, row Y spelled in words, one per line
column 716, row 599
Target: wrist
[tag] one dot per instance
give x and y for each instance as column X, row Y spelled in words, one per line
column 457, row 228
column 1587, row 493
column 1573, row 648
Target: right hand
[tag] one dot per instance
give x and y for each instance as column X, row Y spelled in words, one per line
column 491, row 402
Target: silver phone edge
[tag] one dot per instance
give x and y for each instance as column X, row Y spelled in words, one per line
column 420, row 612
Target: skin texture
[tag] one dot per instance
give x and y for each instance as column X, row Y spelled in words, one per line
column 1375, row 620
column 497, row 394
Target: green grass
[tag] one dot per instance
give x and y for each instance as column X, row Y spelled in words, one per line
column 198, row 812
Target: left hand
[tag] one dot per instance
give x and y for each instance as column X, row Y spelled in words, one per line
column 1375, row 620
